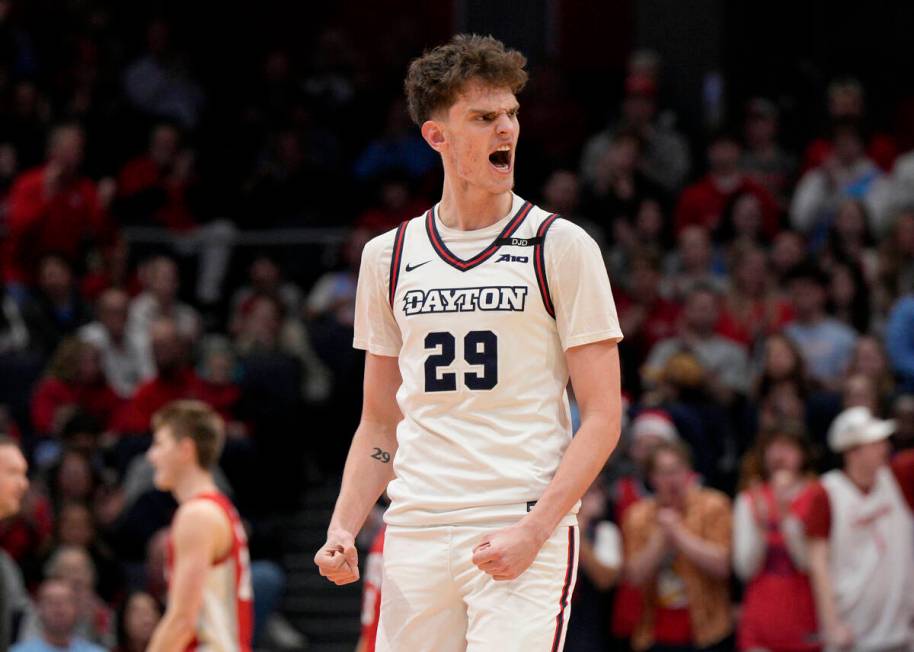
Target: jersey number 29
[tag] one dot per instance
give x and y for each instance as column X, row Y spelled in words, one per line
column 479, row 348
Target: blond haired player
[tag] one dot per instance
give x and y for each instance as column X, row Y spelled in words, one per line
column 473, row 316
column 209, row 579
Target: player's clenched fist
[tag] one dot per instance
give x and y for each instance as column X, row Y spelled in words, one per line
column 338, row 559
column 505, row 554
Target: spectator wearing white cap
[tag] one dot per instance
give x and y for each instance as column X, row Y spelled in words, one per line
column 860, row 531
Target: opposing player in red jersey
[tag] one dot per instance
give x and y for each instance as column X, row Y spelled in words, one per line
column 209, row 580
column 371, row 594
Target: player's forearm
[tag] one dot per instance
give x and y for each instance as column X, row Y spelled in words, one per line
column 583, row 460
column 174, row 632
column 368, row 470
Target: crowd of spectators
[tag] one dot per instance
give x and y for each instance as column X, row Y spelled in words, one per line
column 764, row 289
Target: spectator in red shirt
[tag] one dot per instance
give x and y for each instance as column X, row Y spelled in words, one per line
column 154, row 188
column 846, row 102
column 703, row 202
column 778, row 610
column 74, row 382
column 860, row 533
column 643, row 313
column 751, row 309
column 174, row 379
column 54, row 209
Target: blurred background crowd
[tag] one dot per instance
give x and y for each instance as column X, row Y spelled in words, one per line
column 183, row 201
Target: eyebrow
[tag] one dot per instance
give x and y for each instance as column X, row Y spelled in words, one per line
column 514, row 107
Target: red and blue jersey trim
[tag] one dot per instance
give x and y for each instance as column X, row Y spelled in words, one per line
column 395, row 259
column 563, row 601
column 463, row 265
column 539, row 263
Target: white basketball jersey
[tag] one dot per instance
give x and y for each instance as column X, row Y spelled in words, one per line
column 225, row 620
column 480, row 321
column 872, row 565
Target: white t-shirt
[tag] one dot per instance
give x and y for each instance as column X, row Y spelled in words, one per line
column 486, row 418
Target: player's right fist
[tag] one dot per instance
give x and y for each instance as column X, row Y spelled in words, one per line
column 338, row 560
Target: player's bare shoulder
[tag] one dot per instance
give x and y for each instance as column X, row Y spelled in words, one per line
column 201, row 521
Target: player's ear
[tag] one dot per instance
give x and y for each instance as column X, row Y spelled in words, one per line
column 187, row 447
column 433, row 133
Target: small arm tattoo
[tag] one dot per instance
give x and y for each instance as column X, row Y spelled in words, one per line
column 383, row 456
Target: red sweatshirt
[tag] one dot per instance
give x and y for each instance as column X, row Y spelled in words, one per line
column 60, row 224
column 703, row 203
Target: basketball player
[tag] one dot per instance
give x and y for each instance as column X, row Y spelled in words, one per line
column 209, row 592
column 473, row 316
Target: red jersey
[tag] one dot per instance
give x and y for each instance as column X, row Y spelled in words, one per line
column 371, row 592
column 225, row 622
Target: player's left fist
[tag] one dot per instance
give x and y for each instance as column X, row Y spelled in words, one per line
column 338, row 560
column 505, row 554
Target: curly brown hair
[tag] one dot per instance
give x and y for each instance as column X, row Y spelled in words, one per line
column 436, row 78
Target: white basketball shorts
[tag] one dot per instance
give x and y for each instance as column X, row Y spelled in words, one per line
column 435, row 600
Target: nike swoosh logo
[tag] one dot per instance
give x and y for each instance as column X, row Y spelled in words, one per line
column 410, row 268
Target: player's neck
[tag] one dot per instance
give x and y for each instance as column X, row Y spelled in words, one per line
column 193, row 483
column 468, row 209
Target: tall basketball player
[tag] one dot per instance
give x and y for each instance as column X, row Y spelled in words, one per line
column 473, row 316
column 209, row 580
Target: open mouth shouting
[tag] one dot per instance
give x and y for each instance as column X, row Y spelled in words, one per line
column 501, row 159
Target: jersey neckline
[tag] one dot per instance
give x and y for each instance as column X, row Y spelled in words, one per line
column 461, row 264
